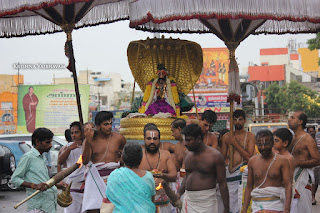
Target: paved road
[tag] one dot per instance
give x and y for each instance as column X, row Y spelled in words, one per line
column 10, row 198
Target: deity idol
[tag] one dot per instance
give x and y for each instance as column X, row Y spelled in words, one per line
column 161, row 94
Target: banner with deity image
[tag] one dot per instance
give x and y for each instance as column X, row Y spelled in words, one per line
column 214, row 76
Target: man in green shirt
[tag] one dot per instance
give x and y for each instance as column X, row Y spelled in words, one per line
column 32, row 173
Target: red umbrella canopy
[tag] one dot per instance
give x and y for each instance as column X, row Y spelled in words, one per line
column 231, row 20
column 32, row 17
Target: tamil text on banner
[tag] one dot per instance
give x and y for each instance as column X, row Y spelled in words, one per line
column 50, row 106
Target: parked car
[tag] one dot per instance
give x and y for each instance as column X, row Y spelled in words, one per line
column 256, row 127
column 7, row 164
column 57, row 144
column 13, row 152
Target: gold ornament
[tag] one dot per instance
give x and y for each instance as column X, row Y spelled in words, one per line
column 183, row 59
column 64, row 198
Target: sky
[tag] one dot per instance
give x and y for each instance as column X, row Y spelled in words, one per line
column 103, row 48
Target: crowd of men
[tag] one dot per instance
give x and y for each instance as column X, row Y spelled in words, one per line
column 233, row 172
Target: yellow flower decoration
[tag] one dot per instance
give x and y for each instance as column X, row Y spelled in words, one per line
column 147, row 93
column 142, row 109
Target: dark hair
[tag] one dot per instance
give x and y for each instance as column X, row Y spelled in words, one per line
column 179, row 122
column 67, row 135
column 30, row 88
column 239, row 112
column 147, row 125
column 264, row 133
column 209, row 116
column 102, row 116
column 125, row 114
column 161, row 67
column 132, row 154
column 304, row 118
column 311, row 127
column 41, row 134
column 150, row 128
column 193, row 130
column 75, row 123
column 221, row 134
column 284, row 134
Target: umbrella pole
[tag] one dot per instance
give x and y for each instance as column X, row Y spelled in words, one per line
column 232, row 133
column 234, row 67
column 72, row 66
column 76, row 87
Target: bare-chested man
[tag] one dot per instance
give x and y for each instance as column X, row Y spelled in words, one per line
column 205, row 168
column 163, row 145
column 158, row 159
column 243, row 143
column 208, row 119
column 268, row 172
column 306, row 154
column 282, row 139
column 101, row 151
column 180, row 149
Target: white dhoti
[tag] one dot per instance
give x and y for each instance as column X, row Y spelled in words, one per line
column 76, row 205
column 162, row 202
column 302, row 201
column 219, row 200
column 268, row 199
column 233, row 182
column 77, row 178
column 95, row 184
column 204, row 201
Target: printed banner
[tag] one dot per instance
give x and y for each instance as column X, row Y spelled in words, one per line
column 50, row 106
column 211, row 100
column 215, row 109
column 214, row 76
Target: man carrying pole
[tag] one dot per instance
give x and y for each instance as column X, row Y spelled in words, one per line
column 242, row 143
column 32, row 173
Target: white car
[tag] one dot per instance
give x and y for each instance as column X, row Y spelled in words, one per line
column 57, row 144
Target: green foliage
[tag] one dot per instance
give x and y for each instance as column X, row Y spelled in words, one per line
column 293, row 97
column 314, row 43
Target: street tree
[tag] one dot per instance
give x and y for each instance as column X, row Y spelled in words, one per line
column 293, row 97
column 314, row 43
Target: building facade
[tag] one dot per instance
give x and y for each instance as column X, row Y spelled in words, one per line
column 107, row 91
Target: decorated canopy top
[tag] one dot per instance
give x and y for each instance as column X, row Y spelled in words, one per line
column 33, row 17
column 183, row 60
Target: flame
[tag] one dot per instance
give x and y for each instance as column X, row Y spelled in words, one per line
column 159, row 187
column 80, row 161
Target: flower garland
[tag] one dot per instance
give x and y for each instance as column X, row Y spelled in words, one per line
column 174, row 91
column 233, row 97
column 153, row 88
column 147, row 92
column 169, row 93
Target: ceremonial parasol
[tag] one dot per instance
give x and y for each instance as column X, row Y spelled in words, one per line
column 231, row 20
column 34, row 17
